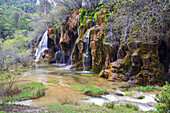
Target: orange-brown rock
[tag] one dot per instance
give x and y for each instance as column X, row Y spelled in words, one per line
column 113, row 77
column 101, row 16
column 69, row 33
column 48, row 55
column 89, row 23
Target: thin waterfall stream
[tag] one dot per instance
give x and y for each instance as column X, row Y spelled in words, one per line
column 86, row 56
column 41, row 46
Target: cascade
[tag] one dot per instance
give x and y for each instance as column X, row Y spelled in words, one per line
column 86, row 56
column 41, row 46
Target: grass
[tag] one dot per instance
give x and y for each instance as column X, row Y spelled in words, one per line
column 10, row 108
column 30, row 91
column 128, row 93
column 147, row 88
column 87, row 108
column 67, row 108
column 129, row 105
column 89, row 90
column 52, row 82
column 109, row 105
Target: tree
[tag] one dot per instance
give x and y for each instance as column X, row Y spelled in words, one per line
column 44, row 6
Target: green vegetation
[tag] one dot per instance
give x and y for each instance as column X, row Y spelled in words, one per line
column 96, row 16
column 5, row 76
column 147, row 88
column 58, row 108
column 89, row 90
column 128, row 93
column 30, row 91
column 132, row 106
column 86, row 74
column 110, row 105
column 134, row 18
column 18, row 73
column 89, row 108
column 163, row 99
column 8, row 86
column 52, row 82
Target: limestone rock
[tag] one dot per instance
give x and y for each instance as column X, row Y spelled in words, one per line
column 69, row 33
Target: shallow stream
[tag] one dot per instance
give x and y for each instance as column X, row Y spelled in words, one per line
column 63, row 93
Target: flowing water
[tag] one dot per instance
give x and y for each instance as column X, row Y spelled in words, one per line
column 41, row 46
column 62, row 92
column 86, row 56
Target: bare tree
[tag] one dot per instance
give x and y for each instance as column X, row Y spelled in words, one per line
column 70, row 3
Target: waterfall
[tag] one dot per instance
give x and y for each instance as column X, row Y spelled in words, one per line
column 41, row 46
column 86, row 56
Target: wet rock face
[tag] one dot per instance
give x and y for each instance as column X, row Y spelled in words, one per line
column 69, row 33
column 141, row 65
column 47, row 56
column 53, row 40
column 100, row 53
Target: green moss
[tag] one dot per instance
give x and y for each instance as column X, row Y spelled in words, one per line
column 83, row 14
column 107, row 16
column 96, row 16
column 56, row 26
column 104, row 41
column 100, row 4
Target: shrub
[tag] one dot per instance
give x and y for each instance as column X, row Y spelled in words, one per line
column 163, row 99
column 8, row 87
